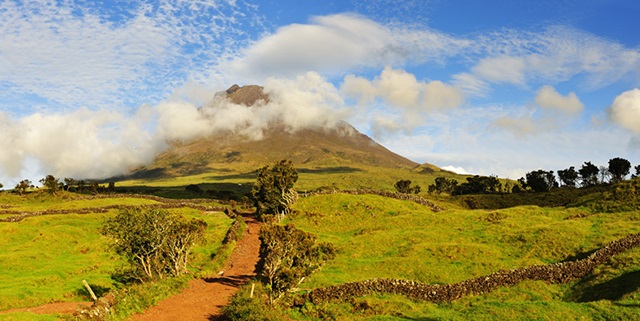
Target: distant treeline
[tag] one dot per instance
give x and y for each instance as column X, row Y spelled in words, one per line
column 540, row 180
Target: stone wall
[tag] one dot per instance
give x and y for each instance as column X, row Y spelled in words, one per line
column 561, row 272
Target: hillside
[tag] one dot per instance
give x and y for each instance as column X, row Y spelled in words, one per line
column 317, row 147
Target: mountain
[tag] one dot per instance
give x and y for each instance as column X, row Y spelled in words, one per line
column 336, row 147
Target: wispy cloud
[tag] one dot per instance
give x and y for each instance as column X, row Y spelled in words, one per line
column 72, row 55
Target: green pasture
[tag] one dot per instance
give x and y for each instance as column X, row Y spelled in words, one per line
column 45, row 258
column 378, row 237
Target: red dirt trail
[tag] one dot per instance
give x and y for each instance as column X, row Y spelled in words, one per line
column 204, row 298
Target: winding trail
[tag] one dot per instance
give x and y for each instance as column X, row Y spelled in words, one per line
column 204, row 298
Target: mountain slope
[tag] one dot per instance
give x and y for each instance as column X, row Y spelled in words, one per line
column 340, row 146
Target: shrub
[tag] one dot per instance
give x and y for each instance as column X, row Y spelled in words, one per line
column 404, row 186
column 155, row 242
column 273, row 192
column 288, row 256
column 244, row 307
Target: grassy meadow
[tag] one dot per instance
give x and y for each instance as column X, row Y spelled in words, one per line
column 386, row 238
column 45, row 258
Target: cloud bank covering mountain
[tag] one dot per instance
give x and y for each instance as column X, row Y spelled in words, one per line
column 89, row 89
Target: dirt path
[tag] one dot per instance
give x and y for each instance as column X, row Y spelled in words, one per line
column 203, row 298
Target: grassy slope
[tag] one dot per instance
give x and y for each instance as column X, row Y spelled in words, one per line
column 45, row 258
column 379, row 237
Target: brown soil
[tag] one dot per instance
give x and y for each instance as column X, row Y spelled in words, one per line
column 204, row 298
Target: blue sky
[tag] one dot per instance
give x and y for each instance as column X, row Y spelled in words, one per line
column 92, row 88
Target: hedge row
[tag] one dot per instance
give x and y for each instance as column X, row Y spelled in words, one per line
column 389, row 194
column 561, row 272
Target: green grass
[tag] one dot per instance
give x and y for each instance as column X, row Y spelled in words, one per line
column 45, row 258
column 385, row 238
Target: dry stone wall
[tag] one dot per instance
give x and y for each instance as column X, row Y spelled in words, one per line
column 561, row 272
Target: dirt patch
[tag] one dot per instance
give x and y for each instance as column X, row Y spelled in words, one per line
column 204, row 298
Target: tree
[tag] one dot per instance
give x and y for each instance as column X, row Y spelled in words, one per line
column 23, row 186
column 154, row 242
column 589, row 174
column 443, row 185
column 273, row 192
column 568, row 177
column 51, row 183
column 479, row 185
column 604, row 175
column 404, row 186
column 637, row 169
column 539, row 181
column 69, row 183
column 1, row 186
column 619, row 169
column 288, row 256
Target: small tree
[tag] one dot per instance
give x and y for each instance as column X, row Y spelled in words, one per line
column 479, row 185
column 23, row 186
column 273, row 192
column 51, row 183
column 69, row 183
column 288, row 256
column 404, row 186
column 637, row 169
column 539, row 181
column 155, row 242
column 443, row 185
column 589, row 174
column 568, row 177
column 619, row 169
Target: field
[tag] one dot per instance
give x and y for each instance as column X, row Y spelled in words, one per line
column 386, row 238
column 45, row 258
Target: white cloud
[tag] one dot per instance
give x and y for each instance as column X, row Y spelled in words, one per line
column 308, row 101
column 401, row 89
column 501, row 69
column 625, row 110
column 73, row 54
column 557, row 54
column 549, row 98
column 83, row 143
column 337, row 43
column 455, row 169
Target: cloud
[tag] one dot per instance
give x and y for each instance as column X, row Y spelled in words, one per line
column 556, row 54
column 501, row 69
column 75, row 54
column 455, row 169
column 308, row 101
column 549, row 98
column 83, row 143
column 337, row 43
column 401, row 89
column 625, row 110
